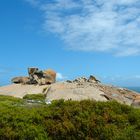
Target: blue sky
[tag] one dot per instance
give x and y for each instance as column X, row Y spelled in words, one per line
column 75, row 38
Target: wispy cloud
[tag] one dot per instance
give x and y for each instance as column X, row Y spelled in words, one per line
column 94, row 25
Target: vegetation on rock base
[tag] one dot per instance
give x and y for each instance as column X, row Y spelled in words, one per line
column 68, row 120
column 39, row 97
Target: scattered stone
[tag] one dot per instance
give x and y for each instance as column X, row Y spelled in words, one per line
column 80, row 80
column 69, row 81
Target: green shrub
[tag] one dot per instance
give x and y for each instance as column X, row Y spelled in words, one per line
column 68, row 120
column 39, row 97
column 9, row 100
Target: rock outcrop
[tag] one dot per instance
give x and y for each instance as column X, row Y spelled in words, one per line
column 32, row 72
column 79, row 89
column 90, row 88
column 80, row 80
column 93, row 79
column 50, row 76
column 37, row 76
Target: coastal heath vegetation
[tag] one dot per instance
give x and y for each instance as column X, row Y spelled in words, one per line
column 67, row 120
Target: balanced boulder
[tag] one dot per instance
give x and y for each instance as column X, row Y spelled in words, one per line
column 37, row 76
column 32, row 72
column 50, row 76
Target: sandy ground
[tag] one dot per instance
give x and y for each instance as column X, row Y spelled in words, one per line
column 18, row 90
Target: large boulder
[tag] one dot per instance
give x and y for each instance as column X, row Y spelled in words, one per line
column 50, row 76
column 41, row 77
column 21, row 80
column 37, row 76
column 32, row 72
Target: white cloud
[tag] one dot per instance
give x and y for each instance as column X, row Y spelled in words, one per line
column 95, row 25
column 59, row 76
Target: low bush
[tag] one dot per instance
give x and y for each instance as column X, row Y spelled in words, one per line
column 68, row 120
column 39, row 97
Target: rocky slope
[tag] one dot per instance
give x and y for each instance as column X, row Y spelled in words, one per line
column 78, row 89
column 91, row 88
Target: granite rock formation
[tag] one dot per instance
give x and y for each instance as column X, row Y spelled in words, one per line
column 78, row 89
column 50, row 76
column 80, row 80
column 90, row 88
column 36, row 76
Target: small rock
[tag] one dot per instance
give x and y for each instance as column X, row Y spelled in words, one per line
column 92, row 79
column 80, row 80
column 68, row 81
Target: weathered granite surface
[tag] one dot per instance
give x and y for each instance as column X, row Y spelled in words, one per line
column 77, row 89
